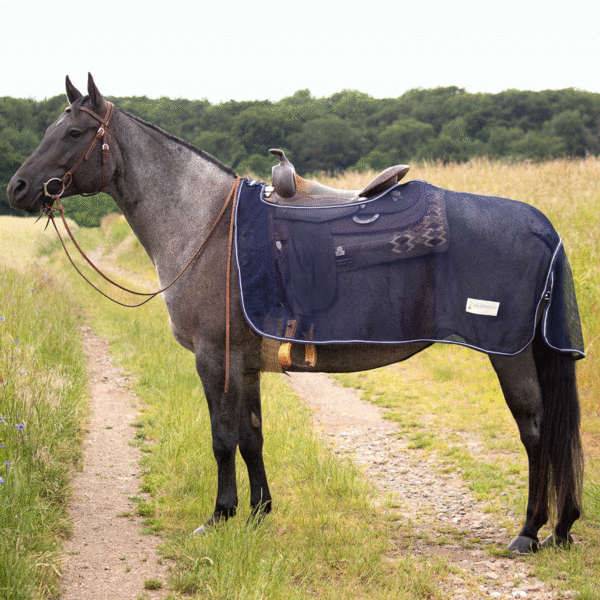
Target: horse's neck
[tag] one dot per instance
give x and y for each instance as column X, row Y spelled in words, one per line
column 169, row 194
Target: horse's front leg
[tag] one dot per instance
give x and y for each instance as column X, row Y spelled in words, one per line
column 224, row 408
column 251, row 444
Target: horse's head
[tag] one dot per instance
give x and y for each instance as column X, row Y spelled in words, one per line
column 73, row 158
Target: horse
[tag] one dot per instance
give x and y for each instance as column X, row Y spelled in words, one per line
column 171, row 193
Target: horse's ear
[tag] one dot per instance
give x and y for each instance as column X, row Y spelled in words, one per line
column 98, row 102
column 72, row 92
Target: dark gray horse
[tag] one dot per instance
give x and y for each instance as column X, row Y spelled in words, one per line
column 171, row 193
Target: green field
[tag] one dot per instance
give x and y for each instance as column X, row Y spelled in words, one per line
column 329, row 534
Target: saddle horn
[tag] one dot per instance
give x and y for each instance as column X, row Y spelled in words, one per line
column 283, row 175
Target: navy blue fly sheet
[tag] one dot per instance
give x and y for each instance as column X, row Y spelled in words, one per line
column 480, row 285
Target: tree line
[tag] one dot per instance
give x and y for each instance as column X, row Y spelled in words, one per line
column 348, row 130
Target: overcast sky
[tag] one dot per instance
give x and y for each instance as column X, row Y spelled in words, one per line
column 268, row 49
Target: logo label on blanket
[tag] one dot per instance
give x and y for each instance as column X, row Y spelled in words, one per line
column 482, row 307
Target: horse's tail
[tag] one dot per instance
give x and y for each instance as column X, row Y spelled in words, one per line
column 561, row 455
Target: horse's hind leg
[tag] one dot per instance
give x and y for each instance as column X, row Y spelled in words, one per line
column 251, row 444
column 523, row 394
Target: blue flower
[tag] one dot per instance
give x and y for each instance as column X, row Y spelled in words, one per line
column 1, row 480
column 2, row 319
column 7, row 463
column 2, row 419
column 21, row 426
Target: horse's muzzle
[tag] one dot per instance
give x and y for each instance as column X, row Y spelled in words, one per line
column 20, row 196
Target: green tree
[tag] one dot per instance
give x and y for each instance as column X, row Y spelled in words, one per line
column 453, row 143
column 327, row 144
column 259, row 165
column 353, row 105
column 375, row 160
column 539, row 145
column 221, row 145
column 501, row 140
column 10, row 161
column 406, row 139
column 577, row 138
column 262, row 127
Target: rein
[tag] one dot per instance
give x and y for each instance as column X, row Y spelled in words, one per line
column 56, row 205
column 150, row 295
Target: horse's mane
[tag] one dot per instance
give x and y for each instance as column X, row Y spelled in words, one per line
column 183, row 143
column 177, row 140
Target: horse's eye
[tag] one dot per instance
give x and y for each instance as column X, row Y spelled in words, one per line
column 75, row 134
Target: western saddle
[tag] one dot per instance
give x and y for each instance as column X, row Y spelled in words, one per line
column 289, row 189
column 290, row 192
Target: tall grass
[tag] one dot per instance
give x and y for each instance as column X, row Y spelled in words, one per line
column 42, row 388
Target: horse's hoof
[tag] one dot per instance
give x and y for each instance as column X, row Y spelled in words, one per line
column 202, row 530
column 552, row 542
column 524, row 545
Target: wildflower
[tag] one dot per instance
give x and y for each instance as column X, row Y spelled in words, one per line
column 21, row 426
column 17, row 341
column 1, row 480
column 7, row 463
column 2, row 419
column 2, row 319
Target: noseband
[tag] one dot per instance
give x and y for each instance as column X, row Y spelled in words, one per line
column 100, row 138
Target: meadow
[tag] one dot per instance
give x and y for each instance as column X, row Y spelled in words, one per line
column 330, row 534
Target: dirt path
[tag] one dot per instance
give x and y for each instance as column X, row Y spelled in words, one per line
column 108, row 556
column 432, row 503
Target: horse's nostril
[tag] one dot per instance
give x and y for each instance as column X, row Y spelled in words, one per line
column 17, row 189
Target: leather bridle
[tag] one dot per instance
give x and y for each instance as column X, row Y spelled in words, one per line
column 101, row 137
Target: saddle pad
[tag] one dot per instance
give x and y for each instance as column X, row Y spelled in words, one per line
column 483, row 292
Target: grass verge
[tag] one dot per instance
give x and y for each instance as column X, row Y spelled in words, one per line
column 42, row 404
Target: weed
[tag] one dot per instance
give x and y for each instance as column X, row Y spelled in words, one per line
column 152, row 584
